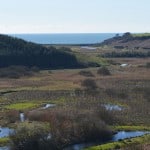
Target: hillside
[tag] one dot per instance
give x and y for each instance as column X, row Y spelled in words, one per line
column 18, row 52
column 132, row 41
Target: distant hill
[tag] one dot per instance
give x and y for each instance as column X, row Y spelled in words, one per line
column 128, row 40
column 17, row 52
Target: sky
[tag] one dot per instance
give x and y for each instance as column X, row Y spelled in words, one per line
column 74, row 16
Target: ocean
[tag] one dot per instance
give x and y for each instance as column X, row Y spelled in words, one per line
column 79, row 38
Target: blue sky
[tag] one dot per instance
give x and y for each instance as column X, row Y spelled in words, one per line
column 74, row 16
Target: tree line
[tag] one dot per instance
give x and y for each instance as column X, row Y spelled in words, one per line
column 17, row 52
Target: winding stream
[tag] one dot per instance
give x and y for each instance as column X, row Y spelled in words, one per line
column 121, row 135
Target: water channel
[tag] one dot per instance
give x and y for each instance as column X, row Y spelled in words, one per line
column 121, row 135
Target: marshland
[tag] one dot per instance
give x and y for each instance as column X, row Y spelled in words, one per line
column 86, row 107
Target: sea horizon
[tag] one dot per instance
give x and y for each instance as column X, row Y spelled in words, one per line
column 65, row 38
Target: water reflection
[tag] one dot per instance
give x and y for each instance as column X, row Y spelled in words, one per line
column 5, row 132
column 121, row 135
column 88, row 47
column 22, row 117
column 112, row 107
column 123, row 65
column 49, row 105
column 124, row 135
column 5, row 148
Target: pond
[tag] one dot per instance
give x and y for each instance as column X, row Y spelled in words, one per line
column 5, row 132
column 123, row 65
column 5, row 148
column 88, row 47
column 49, row 105
column 124, row 135
column 112, row 107
column 121, row 135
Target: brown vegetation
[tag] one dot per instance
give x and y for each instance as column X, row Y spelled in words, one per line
column 79, row 114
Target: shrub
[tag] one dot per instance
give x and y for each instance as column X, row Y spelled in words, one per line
column 86, row 73
column 67, row 129
column 17, row 71
column 69, row 125
column 103, row 71
column 89, row 84
column 148, row 65
column 12, row 116
column 38, row 116
column 31, row 136
column 35, row 69
column 107, row 116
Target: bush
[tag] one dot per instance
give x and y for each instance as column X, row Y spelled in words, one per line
column 148, row 65
column 17, row 71
column 12, row 116
column 103, row 71
column 31, row 136
column 86, row 73
column 35, row 69
column 67, row 129
column 89, row 84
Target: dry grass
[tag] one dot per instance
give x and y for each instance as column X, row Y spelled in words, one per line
column 127, row 86
column 70, row 79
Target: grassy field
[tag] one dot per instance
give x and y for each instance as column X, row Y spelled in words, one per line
column 141, row 34
column 4, row 141
column 22, row 106
column 79, row 114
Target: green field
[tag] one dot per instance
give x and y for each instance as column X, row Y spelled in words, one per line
column 22, row 106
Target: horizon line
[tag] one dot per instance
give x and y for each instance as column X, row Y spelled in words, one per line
column 73, row 32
